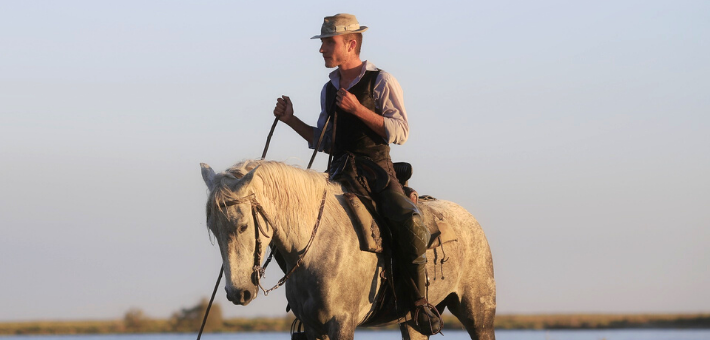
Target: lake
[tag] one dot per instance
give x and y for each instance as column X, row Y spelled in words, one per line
column 615, row 334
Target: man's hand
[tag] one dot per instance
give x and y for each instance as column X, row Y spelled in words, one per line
column 284, row 112
column 284, row 109
column 347, row 101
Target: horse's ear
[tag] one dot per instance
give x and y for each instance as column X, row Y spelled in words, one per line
column 207, row 174
column 248, row 177
column 245, row 179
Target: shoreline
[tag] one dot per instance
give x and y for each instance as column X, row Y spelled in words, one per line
column 283, row 324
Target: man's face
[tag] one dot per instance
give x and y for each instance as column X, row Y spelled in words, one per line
column 335, row 51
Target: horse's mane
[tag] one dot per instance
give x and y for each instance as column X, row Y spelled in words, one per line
column 281, row 185
column 242, row 168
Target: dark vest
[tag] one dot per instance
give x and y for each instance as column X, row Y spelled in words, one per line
column 352, row 135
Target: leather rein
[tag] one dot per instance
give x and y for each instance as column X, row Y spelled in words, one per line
column 258, row 209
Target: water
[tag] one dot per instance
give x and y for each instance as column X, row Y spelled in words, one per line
column 616, row 334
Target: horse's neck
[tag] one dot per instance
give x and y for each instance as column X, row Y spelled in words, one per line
column 293, row 223
column 289, row 238
column 293, row 200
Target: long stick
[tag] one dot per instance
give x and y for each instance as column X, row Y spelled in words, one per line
column 221, row 269
column 268, row 139
column 320, row 140
column 207, row 312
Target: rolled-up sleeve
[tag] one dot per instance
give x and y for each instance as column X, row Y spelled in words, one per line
column 390, row 100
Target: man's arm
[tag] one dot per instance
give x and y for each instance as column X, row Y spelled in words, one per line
column 393, row 125
column 284, row 111
column 390, row 100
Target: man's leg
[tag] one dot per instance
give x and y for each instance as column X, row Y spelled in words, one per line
column 411, row 238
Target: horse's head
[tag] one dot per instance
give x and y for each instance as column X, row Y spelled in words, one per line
column 233, row 218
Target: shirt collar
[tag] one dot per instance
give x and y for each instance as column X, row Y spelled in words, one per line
column 335, row 75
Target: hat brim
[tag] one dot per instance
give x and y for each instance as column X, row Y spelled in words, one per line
column 362, row 29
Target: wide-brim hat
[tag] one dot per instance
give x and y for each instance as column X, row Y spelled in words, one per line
column 339, row 24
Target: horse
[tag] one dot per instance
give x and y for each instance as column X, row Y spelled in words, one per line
column 332, row 285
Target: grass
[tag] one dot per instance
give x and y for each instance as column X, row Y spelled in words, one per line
column 602, row 321
column 536, row 321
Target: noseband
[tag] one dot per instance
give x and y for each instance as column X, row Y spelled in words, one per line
column 258, row 270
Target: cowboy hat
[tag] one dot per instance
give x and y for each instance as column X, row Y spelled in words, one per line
column 339, row 24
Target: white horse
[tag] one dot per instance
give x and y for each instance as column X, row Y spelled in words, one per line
column 335, row 286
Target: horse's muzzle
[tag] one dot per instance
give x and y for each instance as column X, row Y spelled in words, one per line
column 239, row 297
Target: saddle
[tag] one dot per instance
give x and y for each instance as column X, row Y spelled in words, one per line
column 368, row 224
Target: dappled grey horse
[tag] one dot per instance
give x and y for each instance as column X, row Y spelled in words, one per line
column 333, row 285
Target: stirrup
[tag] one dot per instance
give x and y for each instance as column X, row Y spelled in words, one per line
column 297, row 330
column 433, row 313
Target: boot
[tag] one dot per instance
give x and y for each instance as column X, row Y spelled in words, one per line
column 427, row 319
column 411, row 238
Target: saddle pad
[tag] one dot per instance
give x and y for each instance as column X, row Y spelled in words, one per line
column 368, row 228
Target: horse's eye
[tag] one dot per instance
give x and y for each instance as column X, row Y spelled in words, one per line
column 242, row 228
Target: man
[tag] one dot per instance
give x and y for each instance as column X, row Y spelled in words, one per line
column 367, row 109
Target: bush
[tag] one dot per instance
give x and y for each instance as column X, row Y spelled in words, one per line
column 134, row 320
column 190, row 319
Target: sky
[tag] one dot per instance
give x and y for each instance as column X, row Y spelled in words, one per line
column 575, row 132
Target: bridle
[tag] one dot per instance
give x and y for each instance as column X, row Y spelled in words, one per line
column 257, row 257
column 258, row 209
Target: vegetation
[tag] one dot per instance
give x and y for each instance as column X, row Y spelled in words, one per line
column 190, row 319
column 599, row 321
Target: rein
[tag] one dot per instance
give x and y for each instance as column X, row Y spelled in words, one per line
column 207, row 312
column 258, row 209
column 221, row 270
column 259, row 271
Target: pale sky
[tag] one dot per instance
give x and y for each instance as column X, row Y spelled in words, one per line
column 576, row 132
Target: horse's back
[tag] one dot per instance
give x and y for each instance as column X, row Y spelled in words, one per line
column 462, row 222
column 464, row 258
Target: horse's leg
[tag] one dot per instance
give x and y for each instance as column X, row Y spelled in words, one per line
column 331, row 330
column 476, row 311
column 311, row 334
column 341, row 328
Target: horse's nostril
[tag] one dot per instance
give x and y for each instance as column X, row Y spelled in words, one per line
column 247, row 295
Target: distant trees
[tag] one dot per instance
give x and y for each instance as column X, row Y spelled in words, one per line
column 184, row 320
column 134, row 320
column 190, row 319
